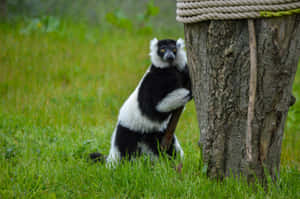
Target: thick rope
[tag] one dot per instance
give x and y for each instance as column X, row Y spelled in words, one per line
column 192, row 11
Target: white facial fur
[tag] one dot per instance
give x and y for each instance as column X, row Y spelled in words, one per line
column 155, row 59
column 180, row 59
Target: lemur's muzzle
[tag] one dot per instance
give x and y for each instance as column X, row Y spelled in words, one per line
column 169, row 56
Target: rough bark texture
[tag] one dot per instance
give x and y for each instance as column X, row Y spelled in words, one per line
column 218, row 56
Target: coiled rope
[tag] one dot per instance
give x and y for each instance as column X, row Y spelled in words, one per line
column 192, row 11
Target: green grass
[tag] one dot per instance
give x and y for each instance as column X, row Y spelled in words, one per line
column 59, row 98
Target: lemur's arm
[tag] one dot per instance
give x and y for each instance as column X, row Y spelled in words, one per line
column 178, row 97
column 174, row 100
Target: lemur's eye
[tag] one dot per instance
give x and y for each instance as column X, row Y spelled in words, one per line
column 174, row 50
column 162, row 50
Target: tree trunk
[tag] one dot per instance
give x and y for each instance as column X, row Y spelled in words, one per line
column 3, row 8
column 218, row 56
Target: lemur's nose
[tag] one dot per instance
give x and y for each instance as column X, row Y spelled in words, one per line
column 169, row 56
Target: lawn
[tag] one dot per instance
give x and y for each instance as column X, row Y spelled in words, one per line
column 60, row 93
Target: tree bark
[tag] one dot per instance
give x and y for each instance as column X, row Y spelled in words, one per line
column 218, row 56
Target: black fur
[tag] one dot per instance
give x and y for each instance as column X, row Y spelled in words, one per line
column 127, row 142
column 166, row 44
column 157, row 84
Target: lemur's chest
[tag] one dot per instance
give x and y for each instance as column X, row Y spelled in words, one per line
column 163, row 80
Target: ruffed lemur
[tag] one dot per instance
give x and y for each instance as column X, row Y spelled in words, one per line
column 145, row 115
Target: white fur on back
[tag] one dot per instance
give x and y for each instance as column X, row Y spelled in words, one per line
column 131, row 117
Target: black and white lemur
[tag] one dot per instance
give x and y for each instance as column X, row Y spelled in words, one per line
column 145, row 115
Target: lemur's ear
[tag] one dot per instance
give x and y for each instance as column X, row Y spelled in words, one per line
column 180, row 43
column 153, row 43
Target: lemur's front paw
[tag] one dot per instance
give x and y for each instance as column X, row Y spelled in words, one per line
column 188, row 97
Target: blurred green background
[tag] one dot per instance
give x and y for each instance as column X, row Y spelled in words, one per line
column 142, row 13
column 66, row 67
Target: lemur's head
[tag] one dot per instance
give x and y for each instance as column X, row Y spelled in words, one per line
column 167, row 52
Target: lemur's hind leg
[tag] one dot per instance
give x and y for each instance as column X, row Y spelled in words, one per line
column 178, row 148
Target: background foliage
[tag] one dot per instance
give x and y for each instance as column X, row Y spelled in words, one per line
column 137, row 12
column 66, row 67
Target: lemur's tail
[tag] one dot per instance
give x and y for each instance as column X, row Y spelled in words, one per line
column 97, row 157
